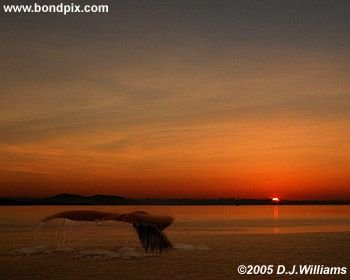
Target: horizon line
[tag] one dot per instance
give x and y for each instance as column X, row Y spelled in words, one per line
column 170, row 198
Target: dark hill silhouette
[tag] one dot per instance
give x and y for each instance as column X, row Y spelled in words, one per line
column 99, row 199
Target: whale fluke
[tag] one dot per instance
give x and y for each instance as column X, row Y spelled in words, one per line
column 149, row 228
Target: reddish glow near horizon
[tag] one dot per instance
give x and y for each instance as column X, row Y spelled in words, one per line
column 276, row 199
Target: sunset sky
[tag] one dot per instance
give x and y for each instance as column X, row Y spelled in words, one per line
column 190, row 99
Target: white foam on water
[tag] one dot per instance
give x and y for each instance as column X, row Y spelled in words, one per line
column 189, row 247
column 64, row 249
column 121, row 253
column 98, row 253
column 27, row 251
column 129, row 252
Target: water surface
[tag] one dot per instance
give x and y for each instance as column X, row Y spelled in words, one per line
column 210, row 241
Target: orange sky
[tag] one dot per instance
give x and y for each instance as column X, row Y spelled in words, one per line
column 124, row 105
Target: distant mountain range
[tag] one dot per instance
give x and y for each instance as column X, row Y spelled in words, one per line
column 99, row 199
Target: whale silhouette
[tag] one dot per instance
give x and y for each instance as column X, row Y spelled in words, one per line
column 149, row 228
